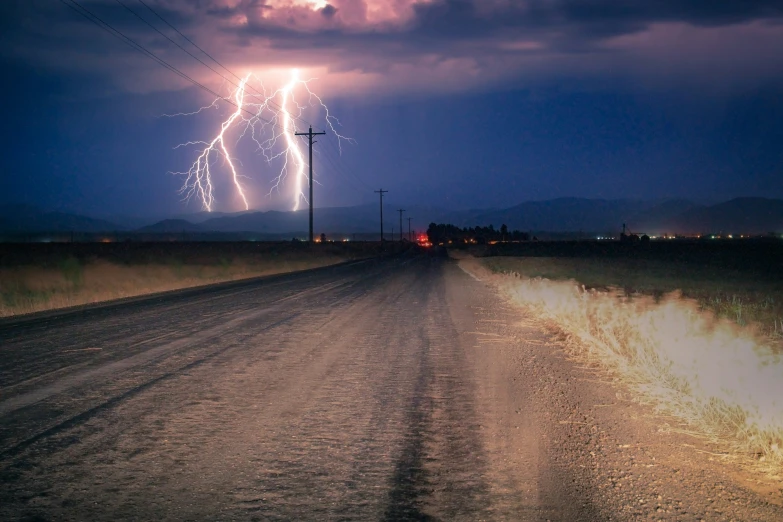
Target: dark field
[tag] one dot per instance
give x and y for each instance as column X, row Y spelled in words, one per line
column 760, row 256
column 43, row 276
column 45, row 254
column 739, row 280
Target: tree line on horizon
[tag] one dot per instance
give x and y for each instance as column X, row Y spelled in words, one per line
column 443, row 233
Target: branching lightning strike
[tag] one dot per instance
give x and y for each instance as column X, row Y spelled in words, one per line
column 269, row 119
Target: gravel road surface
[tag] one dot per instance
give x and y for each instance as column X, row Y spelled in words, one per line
column 386, row 389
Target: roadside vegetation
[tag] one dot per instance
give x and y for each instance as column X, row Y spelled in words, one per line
column 39, row 277
column 700, row 342
column 745, row 297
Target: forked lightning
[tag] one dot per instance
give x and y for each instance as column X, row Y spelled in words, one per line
column 269, row 119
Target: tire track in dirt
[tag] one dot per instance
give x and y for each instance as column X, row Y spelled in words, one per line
column 371, row 400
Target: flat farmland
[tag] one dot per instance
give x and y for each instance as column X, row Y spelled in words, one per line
column 737, row 280
column 45, row 276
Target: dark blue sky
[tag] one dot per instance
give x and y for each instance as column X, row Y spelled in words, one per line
column 84, row 133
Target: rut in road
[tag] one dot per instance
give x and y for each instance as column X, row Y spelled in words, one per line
column 354, row 402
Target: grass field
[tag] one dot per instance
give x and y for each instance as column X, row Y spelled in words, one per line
column 36, row 277
column 696, row 336
column 745, row 297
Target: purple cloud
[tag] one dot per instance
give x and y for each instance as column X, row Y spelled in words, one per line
column 392, row 46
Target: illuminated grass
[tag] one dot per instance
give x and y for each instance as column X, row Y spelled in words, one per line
column 721, row 378
column 27, row 289
column 745, row 298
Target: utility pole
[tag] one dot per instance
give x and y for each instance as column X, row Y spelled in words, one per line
column 400, row 210
column 310, row 134
column 382, row 192
column 410, row 237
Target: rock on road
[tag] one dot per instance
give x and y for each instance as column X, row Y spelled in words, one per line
column 384, row 389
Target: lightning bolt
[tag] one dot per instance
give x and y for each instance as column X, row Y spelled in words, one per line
column 289, row 128
column 270, row 121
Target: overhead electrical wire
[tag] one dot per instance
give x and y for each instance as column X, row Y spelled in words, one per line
column 92, row 17
column 159, row 16
column 328, row 154
column 95, row 19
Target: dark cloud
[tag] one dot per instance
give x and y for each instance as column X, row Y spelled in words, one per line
column 580, row 19
column 698, row 12
column 520, row 99
column 408, row 44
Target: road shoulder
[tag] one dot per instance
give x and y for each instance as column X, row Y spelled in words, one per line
column 608, row 457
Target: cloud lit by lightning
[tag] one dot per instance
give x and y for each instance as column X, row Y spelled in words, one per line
column 269, row 119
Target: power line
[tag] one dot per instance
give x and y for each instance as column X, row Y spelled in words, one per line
column 345, row 172
column 95, row 19
column 145, row 21
column 344, row 179
column 164, row 35
column 327, row 155
column 331, row 164
column 142, row 2
column 330, row 158
column 92, row 17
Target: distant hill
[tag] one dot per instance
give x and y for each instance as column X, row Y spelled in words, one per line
column 740, row 215
column 271, row 221
column 26, row 219
column 564, row 215
column 358, row 219
column 171, row 226
column 661, row 217
column 202, row 215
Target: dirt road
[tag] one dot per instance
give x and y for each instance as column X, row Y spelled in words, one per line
column 396, row 389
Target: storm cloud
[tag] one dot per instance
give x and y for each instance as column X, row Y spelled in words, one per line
column 397, row 46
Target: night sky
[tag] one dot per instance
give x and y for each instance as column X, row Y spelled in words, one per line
column 459, row 104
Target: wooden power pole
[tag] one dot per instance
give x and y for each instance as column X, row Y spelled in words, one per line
column 382, row 192
column 400, row 210
column 310, row 134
